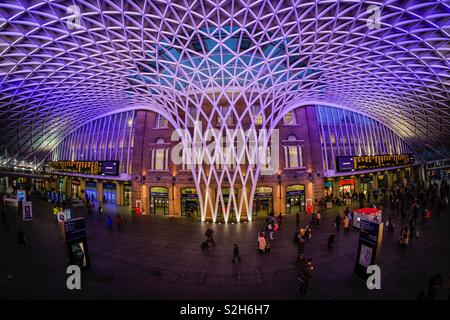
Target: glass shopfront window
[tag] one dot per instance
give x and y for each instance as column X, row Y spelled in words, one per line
column 91, row 190
column 109, row 192
column 159, row 201
column 383, row 181
column 346, row 188
column 365, row 184
column 295, row 199
column 328, row 189
column 190, row 205
column 76, row 188
column 226, row 200
column 127, row 194
column 61, row 185
column 263, row 201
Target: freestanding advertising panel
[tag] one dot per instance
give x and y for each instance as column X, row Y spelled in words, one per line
column 370, row 237
column 27, row 211
column 75, row 237
column 371, row 214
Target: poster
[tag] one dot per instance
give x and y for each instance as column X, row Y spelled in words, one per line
column 77, row 249
column 68, row 214
column 370, row 238
column 61, row 216
column 77, row 253
column 27, row 211
column 21, row 195
column 365, row 256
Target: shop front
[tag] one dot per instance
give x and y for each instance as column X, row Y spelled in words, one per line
column 346, row 188
column 395, row 178
column 91, row 190
column 37, row 185
column 109, row 192
column 75, row 188
column 190, row 205
column 383, row 181
column 295, row 199
column 61, row 185
column 127, row 194
column 159, row 201
column 365, row 184
column 328, row 189
column 263, row 201
column 226, row 200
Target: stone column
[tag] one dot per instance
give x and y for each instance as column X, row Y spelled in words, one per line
column 99, row 190
column 83, row 187
column 119, row 193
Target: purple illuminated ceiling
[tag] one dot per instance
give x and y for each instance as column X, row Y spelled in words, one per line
column 58, row 72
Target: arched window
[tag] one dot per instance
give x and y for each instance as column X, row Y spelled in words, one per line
column 161, row 122
column 289, row 118
column 224, row 110
column 160, row 156
column 257, row 114
column 293, row 153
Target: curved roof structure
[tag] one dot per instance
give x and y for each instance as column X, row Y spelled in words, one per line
column 63, row 63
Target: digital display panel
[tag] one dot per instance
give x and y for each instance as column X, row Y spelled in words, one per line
column 355, row 163
column 110, row 168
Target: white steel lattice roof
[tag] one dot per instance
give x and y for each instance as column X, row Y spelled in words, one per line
column 59, row 69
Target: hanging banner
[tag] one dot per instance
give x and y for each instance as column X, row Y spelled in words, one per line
column 27, row 211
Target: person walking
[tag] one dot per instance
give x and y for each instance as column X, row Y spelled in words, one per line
column 346, row 223
column 262, row 243
column 119, row 221
column 337, row 223
column 404, row 237
column 280, row 221
column 109, row 222
column 318, row 217
column 305, row 276
column 434, row 284
column 331, row 239
column 21, row 239
column 427, row 215
column 209, row 235
column 100, row 210
column 236, row 255
column 55, row 212
column 308, row 233
column 270, row 230
column 300, row 249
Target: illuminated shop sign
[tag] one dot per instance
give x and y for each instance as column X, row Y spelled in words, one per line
column 346, row 182
column 355, row 163
column 107, row 168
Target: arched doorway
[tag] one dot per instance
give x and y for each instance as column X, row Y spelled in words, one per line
column 190, row 205
column 295, row 199
column 159, row 200
column 226, row 202
column 263, row 201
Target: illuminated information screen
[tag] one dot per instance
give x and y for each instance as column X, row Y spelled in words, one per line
column 355, row 163
column 108, row 168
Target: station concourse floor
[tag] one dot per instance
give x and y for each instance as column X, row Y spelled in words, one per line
column 156, row 257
